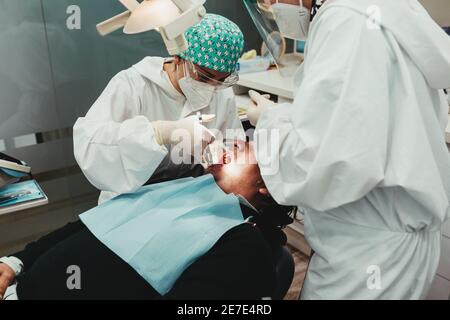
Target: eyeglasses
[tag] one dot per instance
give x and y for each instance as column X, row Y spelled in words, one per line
column 203, row 75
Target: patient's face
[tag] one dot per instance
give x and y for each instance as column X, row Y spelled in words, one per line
column 239, row 173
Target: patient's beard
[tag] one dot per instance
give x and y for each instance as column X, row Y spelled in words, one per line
column 233, row 184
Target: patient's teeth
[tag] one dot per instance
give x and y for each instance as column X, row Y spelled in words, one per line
column 226, row 158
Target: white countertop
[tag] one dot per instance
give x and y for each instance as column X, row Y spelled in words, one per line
column 269, row 81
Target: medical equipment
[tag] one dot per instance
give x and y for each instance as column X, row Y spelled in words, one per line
column 278, row 46
column 293, row 20
column 277, row 42
column 205, row 118
column 171, row 18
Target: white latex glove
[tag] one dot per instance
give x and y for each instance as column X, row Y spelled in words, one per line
column 260, row 104
column 173, row 132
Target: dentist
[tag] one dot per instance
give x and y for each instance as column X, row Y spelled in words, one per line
column 128, row 132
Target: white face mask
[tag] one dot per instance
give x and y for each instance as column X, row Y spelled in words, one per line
column 198, row 94
column 292, row 20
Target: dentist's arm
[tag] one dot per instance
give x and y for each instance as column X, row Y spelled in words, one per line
column 114, row 144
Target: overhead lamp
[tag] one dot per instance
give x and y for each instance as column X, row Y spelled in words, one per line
column 171, row 18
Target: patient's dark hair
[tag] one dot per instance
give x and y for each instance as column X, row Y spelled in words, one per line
column 273, row 218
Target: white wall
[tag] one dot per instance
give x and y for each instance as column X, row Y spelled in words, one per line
column 439, row 10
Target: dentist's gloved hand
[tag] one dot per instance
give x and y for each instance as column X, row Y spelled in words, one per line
column 173, row 132
column 260, row 104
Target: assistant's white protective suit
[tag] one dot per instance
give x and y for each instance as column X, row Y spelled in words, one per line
column 362, row 150
column 114, row 143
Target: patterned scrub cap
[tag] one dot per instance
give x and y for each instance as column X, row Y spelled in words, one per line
column 215, row 43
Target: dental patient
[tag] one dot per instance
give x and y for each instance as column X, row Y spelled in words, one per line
column 207, row 237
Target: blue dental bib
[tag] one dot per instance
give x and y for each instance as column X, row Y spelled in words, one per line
column 162, row 229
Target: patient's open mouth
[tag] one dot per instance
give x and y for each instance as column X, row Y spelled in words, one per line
column 225, row 159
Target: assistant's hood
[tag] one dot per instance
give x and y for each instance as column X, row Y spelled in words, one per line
column 416, row 32
column 152, row 69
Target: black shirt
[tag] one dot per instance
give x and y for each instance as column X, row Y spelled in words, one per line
column 239, row 266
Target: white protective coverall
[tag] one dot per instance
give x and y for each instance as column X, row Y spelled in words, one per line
column 362, row 150
column 114, row 143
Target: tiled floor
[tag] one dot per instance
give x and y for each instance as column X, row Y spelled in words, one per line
column 301, row 265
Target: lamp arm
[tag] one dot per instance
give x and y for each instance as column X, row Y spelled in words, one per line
column 185, row 5
column 173, row 33
column 130, row 4
column 113, row 24
column 184, row 22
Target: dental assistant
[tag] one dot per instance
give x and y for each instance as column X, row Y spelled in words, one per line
column 127, row 133
column 362, row 147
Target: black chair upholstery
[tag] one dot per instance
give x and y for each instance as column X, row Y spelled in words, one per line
column 285, row 269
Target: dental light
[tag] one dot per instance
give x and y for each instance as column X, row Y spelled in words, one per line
column 171, row 18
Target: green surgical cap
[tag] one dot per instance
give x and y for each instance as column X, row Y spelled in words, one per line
column 215, row 43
